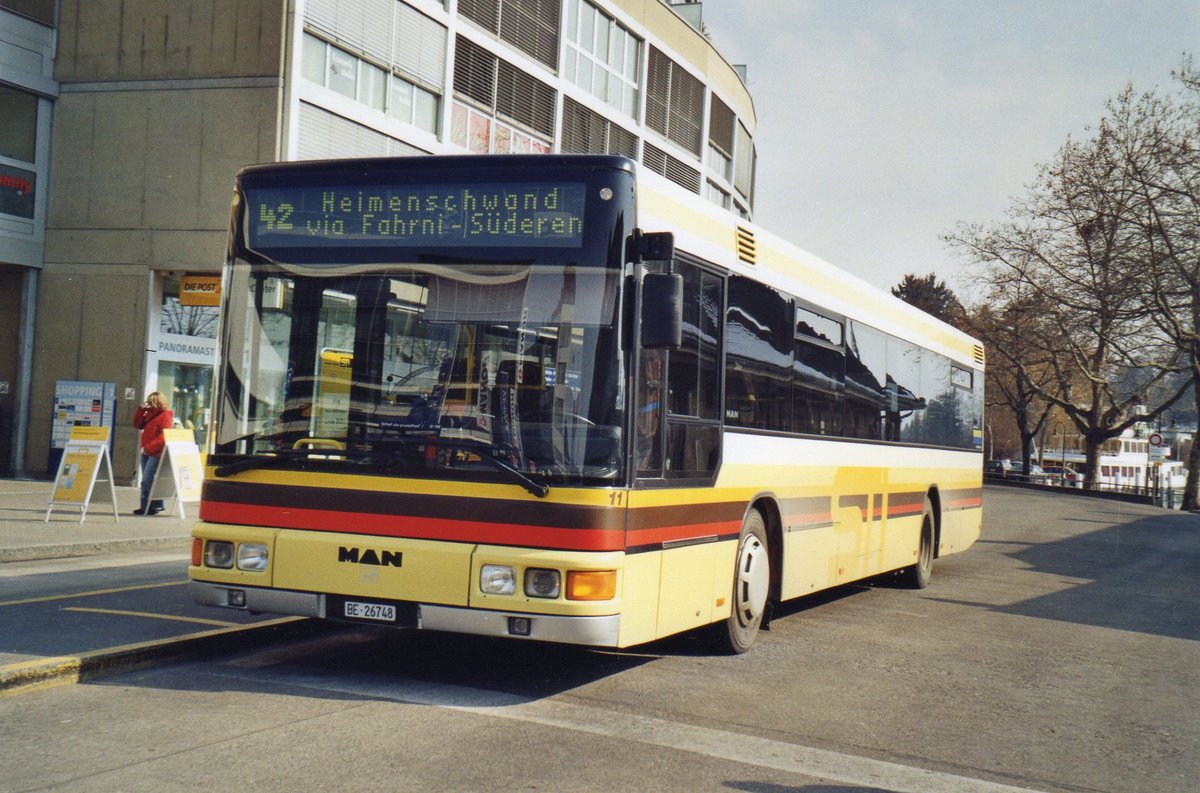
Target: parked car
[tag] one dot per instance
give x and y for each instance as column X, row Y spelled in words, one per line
column 1062, row 475
column 996, row 467
column 1035, row 475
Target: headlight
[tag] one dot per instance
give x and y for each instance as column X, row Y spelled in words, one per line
column 252, row 556
column 218, row 554
column 542, row 583
column 497, row 579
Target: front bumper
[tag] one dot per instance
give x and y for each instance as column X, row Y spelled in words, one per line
column 594, row 631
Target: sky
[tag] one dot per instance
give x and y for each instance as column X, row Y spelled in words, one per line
column 883, row 124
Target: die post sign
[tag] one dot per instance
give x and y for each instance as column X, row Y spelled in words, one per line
column 200, row 290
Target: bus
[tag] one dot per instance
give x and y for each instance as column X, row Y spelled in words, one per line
column 553, row 398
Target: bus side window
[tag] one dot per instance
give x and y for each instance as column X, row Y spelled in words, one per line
column 758, row 374
column 866, row 381
column 817, row 389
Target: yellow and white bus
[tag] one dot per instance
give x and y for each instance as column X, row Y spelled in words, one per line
column 566, row 403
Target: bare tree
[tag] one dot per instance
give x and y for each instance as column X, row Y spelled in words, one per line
column 1070, row 243
column 1155, row 145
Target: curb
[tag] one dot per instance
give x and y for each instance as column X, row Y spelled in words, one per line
column 32, row 553
column 46, row 672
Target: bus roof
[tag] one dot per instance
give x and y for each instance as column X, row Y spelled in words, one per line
column 744, row 247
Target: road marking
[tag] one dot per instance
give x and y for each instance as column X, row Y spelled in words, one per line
column 824, row 764
column 172, row 617
column 91, row 593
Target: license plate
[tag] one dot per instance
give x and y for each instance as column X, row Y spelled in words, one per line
column 380, row 612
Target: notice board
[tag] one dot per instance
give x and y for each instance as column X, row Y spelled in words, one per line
column 79, row 403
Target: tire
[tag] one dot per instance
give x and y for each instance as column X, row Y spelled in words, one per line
column 751, row 587
column 918, row 575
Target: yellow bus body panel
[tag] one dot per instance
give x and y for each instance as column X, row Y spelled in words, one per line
column 430, row 571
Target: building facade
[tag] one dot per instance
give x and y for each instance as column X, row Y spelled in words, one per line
column 157, row 104
column 27, row 93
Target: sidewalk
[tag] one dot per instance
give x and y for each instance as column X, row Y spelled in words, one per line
column 25, row 535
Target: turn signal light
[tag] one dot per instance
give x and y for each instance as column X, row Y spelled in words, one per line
column 591, row 584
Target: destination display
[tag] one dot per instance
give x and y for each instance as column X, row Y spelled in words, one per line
column 484, row 214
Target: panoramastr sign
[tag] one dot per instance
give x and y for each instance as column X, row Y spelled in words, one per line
column 187, row 349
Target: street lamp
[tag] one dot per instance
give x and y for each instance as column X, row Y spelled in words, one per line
column 1062, row 450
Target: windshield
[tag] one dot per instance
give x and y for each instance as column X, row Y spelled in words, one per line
column 424, row 369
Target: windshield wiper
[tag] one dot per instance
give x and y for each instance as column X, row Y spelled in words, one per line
column 250, row 463
column 276, row 457
column 500, row 464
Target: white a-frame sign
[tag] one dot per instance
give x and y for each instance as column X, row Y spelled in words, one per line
column 180, row 472
column 85, row 454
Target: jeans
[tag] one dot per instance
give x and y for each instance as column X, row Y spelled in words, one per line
column 149, row 466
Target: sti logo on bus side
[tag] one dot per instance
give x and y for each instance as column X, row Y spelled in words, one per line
column 370, row 556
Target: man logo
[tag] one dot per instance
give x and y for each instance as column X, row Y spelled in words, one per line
column 370, row 556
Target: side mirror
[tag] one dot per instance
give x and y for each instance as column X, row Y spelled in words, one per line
column 653, row 246
column 662, row 311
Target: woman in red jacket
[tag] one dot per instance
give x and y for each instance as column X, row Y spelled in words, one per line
column 152, row 417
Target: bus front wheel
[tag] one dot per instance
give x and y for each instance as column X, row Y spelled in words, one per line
column 751, row 586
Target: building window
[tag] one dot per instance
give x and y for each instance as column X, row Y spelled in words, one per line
column 585, row 132
column 18, row 145
column 601, row 56
column 744, row 161
column 419, row 49
column 18, row 133
column 529, row 25
column 513, row 111
column 324, row 135
column 675, row 169
column 366, row 83
column 41, row 10
column 412, row 104
column 717, row 195
column 674, row 103
column 720, row 139
column 480, row 133
column 372, row 86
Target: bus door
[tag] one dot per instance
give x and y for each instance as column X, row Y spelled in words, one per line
column 677, row 452
column 677, row 414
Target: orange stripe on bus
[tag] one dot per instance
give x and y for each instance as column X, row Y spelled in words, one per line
column 664, row 534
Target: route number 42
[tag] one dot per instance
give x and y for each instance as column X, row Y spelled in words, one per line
column 276, row 218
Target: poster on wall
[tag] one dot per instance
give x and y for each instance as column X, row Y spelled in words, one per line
column 17, row 191
column 78, row 403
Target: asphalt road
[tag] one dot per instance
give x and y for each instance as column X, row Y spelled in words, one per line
column 1061, row 653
